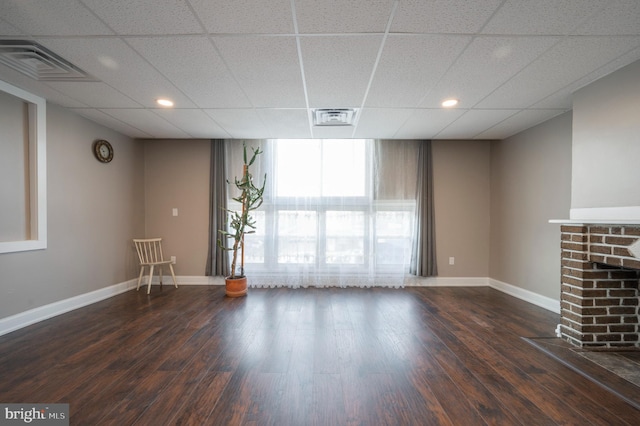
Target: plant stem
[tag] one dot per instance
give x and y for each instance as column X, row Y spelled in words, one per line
column 245, row 174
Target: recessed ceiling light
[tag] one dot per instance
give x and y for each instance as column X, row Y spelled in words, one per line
column 164, row 102
column 448, row 103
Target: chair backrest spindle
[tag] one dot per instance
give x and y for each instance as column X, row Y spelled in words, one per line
column 149, row 250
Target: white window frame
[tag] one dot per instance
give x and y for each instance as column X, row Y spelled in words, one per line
column 273, row 204
column 37, row 172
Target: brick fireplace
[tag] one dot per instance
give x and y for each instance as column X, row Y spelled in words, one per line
column 600, row 275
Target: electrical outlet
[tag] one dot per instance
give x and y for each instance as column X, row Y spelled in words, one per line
column 452, row 261
column 175, row 211
column 173, row 259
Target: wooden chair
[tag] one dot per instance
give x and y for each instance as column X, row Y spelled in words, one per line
column 150, row 254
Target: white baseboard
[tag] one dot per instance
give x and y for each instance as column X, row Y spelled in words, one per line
column 184, row 280
column 545, row 302
column 32, row 316
column 41, row 313
column 414, row 281
column 409, row 281
column 518, row 292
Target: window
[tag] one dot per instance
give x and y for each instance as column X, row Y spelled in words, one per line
column 321, row 213
column 321, row 168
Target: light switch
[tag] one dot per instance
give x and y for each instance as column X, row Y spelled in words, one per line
column 175, row 211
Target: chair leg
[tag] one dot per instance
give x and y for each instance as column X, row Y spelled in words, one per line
column 175, row 283
column 140, row 277
column 150, row 276
column 160, row 274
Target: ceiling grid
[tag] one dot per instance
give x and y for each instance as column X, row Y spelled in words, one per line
column 255, row 68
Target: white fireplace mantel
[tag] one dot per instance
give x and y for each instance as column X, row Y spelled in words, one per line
column 595, row 221
column 629, row 215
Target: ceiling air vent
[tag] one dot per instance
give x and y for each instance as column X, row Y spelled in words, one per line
column 334, row 117
column 38, row 62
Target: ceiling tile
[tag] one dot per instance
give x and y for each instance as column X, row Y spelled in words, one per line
column 6, row 29
column 541, row 16
column 240, row 123
column 245, row 16
column 98, row 95
column 337, row 69
column 147, row 121
column 562, row 99
column 332, row 132
column 189, row 61
column 559, row 67
column 443, row 16
column 112, row 61
column 381, row 123
column 485, row 64
column 474, row 122
column 424, row 59
column 286, row 123
column 38, row 88
column 111, row 122
column 194, row 122
column 619, row 17
column 518, row 122
column 426, row 123
column 67, row 18
column 339, row 16
column 253, row 67
column 619, row 62
column 133, row 17
column 267, row 69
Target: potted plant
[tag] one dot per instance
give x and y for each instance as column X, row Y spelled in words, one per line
column 241, row 223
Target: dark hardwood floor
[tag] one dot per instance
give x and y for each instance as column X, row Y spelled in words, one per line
column 415, row 356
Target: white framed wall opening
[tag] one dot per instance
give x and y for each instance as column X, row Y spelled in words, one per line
column 23, row 224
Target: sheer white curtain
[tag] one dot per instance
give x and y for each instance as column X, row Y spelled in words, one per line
column 336, row 212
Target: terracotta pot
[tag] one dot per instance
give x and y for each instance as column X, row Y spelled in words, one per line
column 236, row 287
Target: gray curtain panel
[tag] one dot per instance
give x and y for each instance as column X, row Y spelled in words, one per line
column 423, row 255
column 217, row 259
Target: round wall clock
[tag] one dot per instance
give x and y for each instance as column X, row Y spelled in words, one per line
column 103, row 151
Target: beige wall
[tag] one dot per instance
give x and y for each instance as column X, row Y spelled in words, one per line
column 530, row 184
column 461, row 189
column 493, row 199
column 606, row 141
column 177, row 176
column 94, row 210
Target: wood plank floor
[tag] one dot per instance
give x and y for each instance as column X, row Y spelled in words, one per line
column 415, row 356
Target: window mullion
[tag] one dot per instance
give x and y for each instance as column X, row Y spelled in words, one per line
column 321, row 243
column 270, row 243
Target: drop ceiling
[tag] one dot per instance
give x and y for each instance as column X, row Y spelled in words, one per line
column 258, row 68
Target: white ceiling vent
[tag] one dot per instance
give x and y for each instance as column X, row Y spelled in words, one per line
column 334, row 117
column 38, row 62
